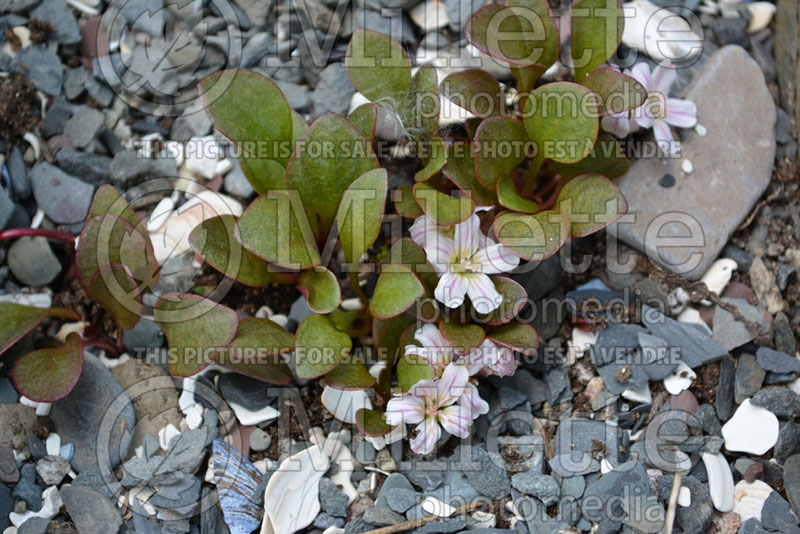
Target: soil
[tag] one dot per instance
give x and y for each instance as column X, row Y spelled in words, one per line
column 39, row 30
column 18, row 107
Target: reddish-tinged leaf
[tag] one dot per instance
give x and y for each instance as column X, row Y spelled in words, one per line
column 256, row 350
column 464, row 338
column 477, row 91
column 319, row 347
column 411, row 369
column 532, row 237
column 520, row 337
column 350, row 374
column 114, row 288
column 510, row 198
column 500, row 146
column 396, row 291
column 515, row 298
column 364, row 118
column 596, row 33
column 196, row 328
column 436, row 158
column 387, row 334
column 444, row 209
column 460, row 169
column 16, row 320
column 590, row 202
column 47, row 375
column 107, row 200
column 360, row 214
column 616, row 92
column 320, row 288
column 405, row 204
column 371, row 423
column 606, row 159
column 379, row 68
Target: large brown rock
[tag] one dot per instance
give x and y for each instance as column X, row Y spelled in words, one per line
column 732, row 168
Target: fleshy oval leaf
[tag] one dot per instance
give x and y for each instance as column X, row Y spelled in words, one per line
column 460, row 169
column 47, row 375
column 350, row 374
column 16, row 320
column 365, row 118
column 520, row 337
column 590, row 202
column 436, row 158
column 379, row 68
column 510, row 198
column 596, row 33
column 562, row 119
column 274, row 227
column 256, row 351
column 214, row 240
column 443, row 209
column 360, row 213
column 405, row 204
column 411, row 369
column 616, row 92
column 108, row 201
column 396, row 291
column 500, row 145
column 320, row 288
column 606, row 158
column 477, row 91
column 532, row 237
column 464, row 338
column 371, row 423
column 114, row 288
column 319, row 347
column 196, row 328
column 515, row 298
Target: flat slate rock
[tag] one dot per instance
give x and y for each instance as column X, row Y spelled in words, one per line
column 43, row 68
column 91, row 512
column 695, row 346
column 578, row 444
column 484, row 471
column 732, row 333
column 791, row 480
column 732, row 168
column 776, row 361
column 63, row 198
column 603, row 499
column 777, row 516
column 783, row 402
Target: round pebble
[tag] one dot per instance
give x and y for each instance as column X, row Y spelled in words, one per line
column 259, row 440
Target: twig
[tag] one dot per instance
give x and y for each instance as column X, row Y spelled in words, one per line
column 669, row 521
column 414, row 523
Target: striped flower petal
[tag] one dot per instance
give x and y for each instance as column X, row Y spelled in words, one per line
column 482, row 293
column 451, row 386
column 451, row 290
column 681, row 113
column 456, row 420
column 617, row 124
column 663, row 78
column 407, row 409
column 468, row 236
column 496, row 259
column 428, row 433
column 472, row 402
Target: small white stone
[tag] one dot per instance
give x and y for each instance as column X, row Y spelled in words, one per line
column 579, row 343
column 434, row 506
column 761, row 14
column 684, row 497
column 795, row 385
column 720, row 481
column 68, row 328
column 223, row 167
column 748, row 498
column 718, row 275
column 640, row 395
column 333, row 530
column 687, row 166
column 251, row 418
column 605, row 466
column 430, row 15
column 280, row 320
column 194, row 416
column 658, row 32
column 43, row 409
column 353, row 304
column 752, row 429
column 201, row 156
column 166, row 434
column 343, row 405
column 700, row 129
column 50, row 508
column 53, row 444
column 680, row 379
column 483, row 520
column 160, row 214
column 264, row 312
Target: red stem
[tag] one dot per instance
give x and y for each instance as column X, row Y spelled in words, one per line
column 13, row 233
column 102, row 344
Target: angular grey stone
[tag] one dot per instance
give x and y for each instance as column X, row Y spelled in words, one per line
column 695, row 346
column 730, row 79
column 245, row 391
column 8, row 394
column 752, row 526
column 788, row 441
column 91, row 512
column 236, row 182
column 777, row 516
column 573, row 486
column 707, row 417
column 378, row 515
column 610, row 373
column 781, row 401
column 128, row 168
column 574, row 451
column 75, row 82
column 82, row 128
column 52, row 469
column 146, row 334
column 298, row 95
column 724, row 396
column 99, row 91
column 484, row 471
column 333, row 91
column 608, row 499
column 791, row 481
column 194, row 124
column 60, row 17
column 181, row 495
column 395, row 480
column 97, row 416
column 657, row 360
column 749, row 377
column 325, row 521
column 34, row 525
column 732, row 333
column 92, row 168
column 455, row 488
column 63, row 198
column 332, row 499
column 777, row 362
column 401, row 499
column 32, row 261
column 694, row 518
column 6, row 506
column 27, row 490
column 18, row 172
column 543, row 487
column 56, row 117
column 6, row 209
column 43, row 68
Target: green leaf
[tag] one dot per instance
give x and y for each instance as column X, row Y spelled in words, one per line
column 606, row 159
column 500, row 146
column 350, row 374
column 114, row 288
column 515, row 298
column 360, row 213
column 396, row 291
column 532, row 237
column 510, row 198
column 477, row 91
column 405, row 204
column 16, row 320
column 436, row 158
column 274, row 227
column 109, row 239
column 319, row 347
column 107, row 200
column 562, row 118
column 251, row 111
column 464, row 338
column 420, row 113
column 596, row 33
column 616, row 92
column 522, row 35
column 387, row 334
column 379, row 68
column 443, row 209
column 590, row 202
column 364, row 118
column 460, row 169
column 320, row 288
column 263, row 174
column 214, row 240
column 371, row 423
column 411, row 369
column 48, row 375
column 405, row 252
column 299, row 127
column 354, row 323
column 333, row 155
column 196, row 328
column 520, row 337
column 256, row 350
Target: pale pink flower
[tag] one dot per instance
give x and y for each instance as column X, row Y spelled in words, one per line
column 660, row 112
column 464, row 263
column 432, row 405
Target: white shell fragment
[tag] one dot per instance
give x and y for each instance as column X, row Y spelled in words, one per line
column 343, row 405
column 434, row 506
column 720, row 481
column 684, row 497
column 749, row 497
column 430, row 15
column 761, row 14
column 719, row 274
column 659, row 32
column 752, row 429
column 50, row 508
column 291, row 500
column 680, row 379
